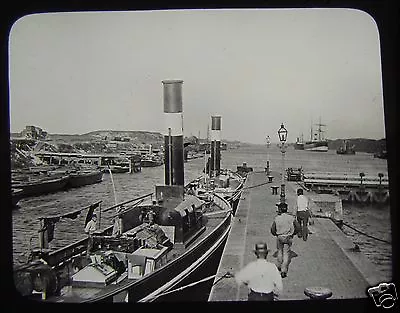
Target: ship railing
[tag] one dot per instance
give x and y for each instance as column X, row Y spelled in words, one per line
column 344, row 182
column 118, row 205
column 344, row 176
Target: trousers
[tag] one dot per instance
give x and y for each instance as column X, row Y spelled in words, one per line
column 302, row 218
column 283, row 245
column 259, row 296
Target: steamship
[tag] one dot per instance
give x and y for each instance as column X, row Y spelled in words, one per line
column 299, row 144
column 158, row 242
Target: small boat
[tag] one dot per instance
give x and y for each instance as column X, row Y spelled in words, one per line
column 116, row 169
column 151, row 160
column 345, row 148
column 84, row 177
column 34, row 186
column 381, row 155
column 119, row 164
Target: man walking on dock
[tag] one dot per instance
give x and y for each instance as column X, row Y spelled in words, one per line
column 303, row 213
column 261, row 277
column 283, row 228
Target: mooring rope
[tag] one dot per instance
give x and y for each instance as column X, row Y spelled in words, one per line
column 256, row 185
column 226, row 275
column 355, row 229
column 362, row 233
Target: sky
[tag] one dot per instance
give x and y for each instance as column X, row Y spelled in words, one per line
column 72, row 73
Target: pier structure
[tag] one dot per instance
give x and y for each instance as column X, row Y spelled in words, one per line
column 132, row 161
column 359, row 188
column 328, row 260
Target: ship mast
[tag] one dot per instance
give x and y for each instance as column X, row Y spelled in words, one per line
column 320, row 131
column 311, row 133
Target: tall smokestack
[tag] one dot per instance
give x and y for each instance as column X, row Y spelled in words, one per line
column 173, row 136
column 216, row 144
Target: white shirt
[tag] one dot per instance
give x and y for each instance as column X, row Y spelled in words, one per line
column 261, row 276
column 90, row 227
column 302, row 203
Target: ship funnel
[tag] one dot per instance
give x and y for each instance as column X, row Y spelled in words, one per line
column 173, row 135
column 215, row 145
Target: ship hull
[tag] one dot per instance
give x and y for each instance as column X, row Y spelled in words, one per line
column 299, row 146
column 321, row 146
column 195, row 264
column 85, row 178
column 41, row 186
column 345, row 152
column 198, row 261
column 151, row 163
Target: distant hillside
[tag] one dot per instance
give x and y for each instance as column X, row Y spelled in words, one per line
column 137, row 137
column 360, row 144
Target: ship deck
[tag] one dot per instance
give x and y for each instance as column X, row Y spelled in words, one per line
column 82, row 294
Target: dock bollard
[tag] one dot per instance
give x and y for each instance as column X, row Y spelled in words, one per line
column 318, row 293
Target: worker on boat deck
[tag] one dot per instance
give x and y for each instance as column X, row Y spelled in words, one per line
column 284, row 229
column 303, row 213
column 261, row 277
column 90, row 228
column 117, row 227
column 155, row 229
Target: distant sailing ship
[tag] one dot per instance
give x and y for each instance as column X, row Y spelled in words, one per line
column 317, row 141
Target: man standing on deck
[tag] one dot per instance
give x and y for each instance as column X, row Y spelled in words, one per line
column 90, row 228
column 261, row 277
column 283, row 228
column 303, row 213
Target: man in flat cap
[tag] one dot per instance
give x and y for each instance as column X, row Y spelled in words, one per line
column 261, row 277
column 284, row 228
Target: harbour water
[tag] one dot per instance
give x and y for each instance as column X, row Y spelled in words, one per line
column 373, row 220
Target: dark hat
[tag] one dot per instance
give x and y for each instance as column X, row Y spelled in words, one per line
column 261, row 247
column 299, row 191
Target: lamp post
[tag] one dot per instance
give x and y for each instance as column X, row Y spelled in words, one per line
column 282, row 133
column 361, row 179
column 268, row 144
column 380, row 180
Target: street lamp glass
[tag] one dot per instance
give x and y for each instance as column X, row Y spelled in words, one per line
column 282, row 133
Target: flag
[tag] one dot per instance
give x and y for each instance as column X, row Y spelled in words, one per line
column 90, row 212
column 49, row 224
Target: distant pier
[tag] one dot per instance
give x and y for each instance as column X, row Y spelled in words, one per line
column 359, row 188
column 132, row 163
column 328, row 259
